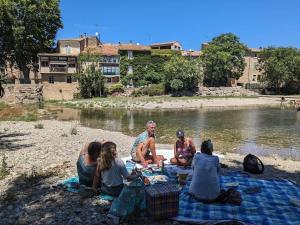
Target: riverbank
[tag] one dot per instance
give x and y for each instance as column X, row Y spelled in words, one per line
column 38, row 156
column 168, row 102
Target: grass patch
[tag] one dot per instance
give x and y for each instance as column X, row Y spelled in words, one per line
column 35, row 176
column 3, row 168
column 39, row 126
column 2, row 105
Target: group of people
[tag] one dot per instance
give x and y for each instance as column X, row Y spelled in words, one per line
column 99, row 167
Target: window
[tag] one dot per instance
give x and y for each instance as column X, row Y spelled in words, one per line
column 258, row 77
column 110, row 70
column 108, row 80
column 130, row 54
column 254, row 78
column 62, row 58
column 69, row 79
column 72, row 65
column 54, row 58
column 51, row 79
column 44, row 63
column 68, row 49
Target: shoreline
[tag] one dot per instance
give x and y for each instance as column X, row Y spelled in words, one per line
column 167, row 102
column 25, row 146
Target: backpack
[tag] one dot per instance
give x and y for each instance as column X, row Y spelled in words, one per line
column 253, row 164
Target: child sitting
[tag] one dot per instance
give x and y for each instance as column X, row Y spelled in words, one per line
column 184, row 150
column 110, row 171
column 205, row 184
column 87, row 163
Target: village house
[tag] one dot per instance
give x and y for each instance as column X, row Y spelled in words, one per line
column 173, row 45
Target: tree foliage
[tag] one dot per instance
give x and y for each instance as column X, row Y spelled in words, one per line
column 27, row 27
column 2, row 82
column 90, row 78
column 223, row 58
column 147, row 69
column 181, row 74
column 280, row 66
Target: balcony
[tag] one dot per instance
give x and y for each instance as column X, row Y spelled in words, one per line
column 59, row 69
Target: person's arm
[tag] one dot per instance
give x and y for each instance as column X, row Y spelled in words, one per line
column 96, row 180
column 175, row 151
column 191, row 143
column 124, row 171
column 218, row 165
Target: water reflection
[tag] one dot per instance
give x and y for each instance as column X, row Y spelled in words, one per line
column 229, row 129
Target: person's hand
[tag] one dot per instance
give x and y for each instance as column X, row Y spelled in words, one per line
column 145, row 164
column 133, row 172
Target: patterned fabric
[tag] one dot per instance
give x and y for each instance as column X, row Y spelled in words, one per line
column 72, row 185
column 271, row 206
column 131, row 198
column 162, row 200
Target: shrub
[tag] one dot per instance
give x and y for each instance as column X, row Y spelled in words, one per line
column 152, row 90
column 73, row 131
column 3, row 168
column 116, row 88
column 39, row 126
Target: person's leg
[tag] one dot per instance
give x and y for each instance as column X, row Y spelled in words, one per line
column 140, row 155
column 150, row 144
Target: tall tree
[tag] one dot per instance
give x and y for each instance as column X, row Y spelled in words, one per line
column 223, row 58
column 279, row 66
column 90, row 78
column 28, row 27
column 181, row 74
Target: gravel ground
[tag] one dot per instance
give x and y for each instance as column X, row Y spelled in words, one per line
column 38, row 158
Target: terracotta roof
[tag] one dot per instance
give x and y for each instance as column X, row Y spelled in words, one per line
column 72, row 39
column 165, row 43
column 191, row 53
column 255, row 49
column 105, row 49
column 133, row 47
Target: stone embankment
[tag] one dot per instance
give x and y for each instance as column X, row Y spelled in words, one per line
column 23, row 93
column 225, row 91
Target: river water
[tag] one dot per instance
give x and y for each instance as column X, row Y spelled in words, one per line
column 256, row 130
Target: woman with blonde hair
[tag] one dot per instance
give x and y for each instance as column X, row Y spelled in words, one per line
column 110, row 171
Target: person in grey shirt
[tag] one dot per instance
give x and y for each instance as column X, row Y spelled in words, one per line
column 205, row 185
column 111, row 171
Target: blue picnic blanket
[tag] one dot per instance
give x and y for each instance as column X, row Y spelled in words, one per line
column 72, row 185
column 271, row 206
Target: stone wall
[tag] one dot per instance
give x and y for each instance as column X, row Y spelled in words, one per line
column 23, row 93
column 225, row 91
column 59, row 91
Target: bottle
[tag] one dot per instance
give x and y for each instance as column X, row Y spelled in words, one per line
column 162, row 166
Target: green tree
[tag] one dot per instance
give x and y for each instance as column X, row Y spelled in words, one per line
column 90, row 78
column 28, row 27
column 181, row 75
column 147, row 69
column 223, row 58
column 2, row 82
column 280, row 66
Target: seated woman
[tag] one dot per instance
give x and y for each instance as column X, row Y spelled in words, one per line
column 205, row 184
column 87, row 163
column 184, row 150
column 111, row 171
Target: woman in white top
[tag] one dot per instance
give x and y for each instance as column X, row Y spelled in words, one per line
column 205, row 185
column 111, row 171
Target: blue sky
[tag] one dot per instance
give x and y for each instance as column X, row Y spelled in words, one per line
column 258, row 23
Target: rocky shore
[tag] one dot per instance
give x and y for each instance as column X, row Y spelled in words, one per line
column 38, row 156
column 167, row 102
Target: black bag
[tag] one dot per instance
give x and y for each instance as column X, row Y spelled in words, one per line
column 253, row 164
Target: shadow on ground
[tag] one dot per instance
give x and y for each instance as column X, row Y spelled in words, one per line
column 11, row 141
column 37, row 200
